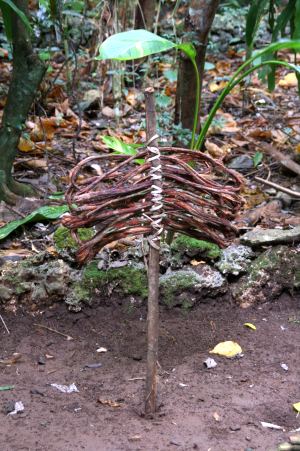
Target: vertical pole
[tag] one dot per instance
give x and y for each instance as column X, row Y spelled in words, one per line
column 153, row 271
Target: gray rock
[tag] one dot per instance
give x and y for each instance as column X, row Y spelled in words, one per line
column 241, row 162
column 234, row 259
column 35, row 280
column 186, row 287
column 260, row 237
column 275, row 270
column 5, row 293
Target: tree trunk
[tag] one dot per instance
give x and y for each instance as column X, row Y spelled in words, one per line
column 28, row 72
column 198, row 23
column 145, row 13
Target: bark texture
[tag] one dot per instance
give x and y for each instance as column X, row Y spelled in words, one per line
column 28, row 72
column 198, row 23
column 145, row 13
column 153, row 279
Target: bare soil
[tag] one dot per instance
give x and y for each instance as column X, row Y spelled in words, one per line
column 220, row 409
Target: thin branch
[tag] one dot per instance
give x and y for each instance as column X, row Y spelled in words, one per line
column 292, row 193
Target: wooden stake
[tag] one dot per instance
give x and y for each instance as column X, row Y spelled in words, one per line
column 153, row 278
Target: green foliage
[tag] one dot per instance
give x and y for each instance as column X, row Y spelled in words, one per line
column 140, row 43
column 133, row 44
column 278, row 23
column 257, row 159
column 63, row 239
column 41, row 214
column 192, row 246
column 136, row 44
column 256, row 12
column 129, row 281
column 122, row 148
column 252, row 64
column 8, row 8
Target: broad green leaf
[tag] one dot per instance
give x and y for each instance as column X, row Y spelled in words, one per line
column 133, row 44
column 121, row 148
column 7, row 387
column 257, row 159
column 22, row 16
column 41, row 214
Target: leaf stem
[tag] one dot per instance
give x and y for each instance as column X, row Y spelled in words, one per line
column 231, row 84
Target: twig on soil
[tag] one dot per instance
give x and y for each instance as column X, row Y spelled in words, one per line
column 285, row 160
column 4, row 324
column 68, row 337
column 278, row 187
column 136, row 379
column 14, row 210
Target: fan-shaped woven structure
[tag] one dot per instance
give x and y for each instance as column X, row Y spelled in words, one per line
column 199, row 197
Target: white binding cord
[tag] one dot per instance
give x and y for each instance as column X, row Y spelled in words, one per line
column 156, row 192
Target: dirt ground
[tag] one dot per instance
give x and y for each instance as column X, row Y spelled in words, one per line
column 217, row 409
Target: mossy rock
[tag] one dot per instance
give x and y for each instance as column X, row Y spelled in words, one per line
column 275, row 270
column 185, row 245
column 126, row 280
column 185, row 287
column 63, row 240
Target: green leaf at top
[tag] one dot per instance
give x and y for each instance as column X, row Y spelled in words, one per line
column 7, row 6
column 41, row 214
column 133, row 44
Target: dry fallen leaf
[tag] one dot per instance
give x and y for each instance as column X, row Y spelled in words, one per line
column 297, row 406
column 25, row 145
column 227, row 349
column 215, row 151
column 11, row 360
column 109, row 402
column 250, row 325
column 289, row 81
column 215, row 87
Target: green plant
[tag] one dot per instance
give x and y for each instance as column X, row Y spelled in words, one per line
column 140, row 43
column 7, row 8
column 135, row 44
column 281, row 21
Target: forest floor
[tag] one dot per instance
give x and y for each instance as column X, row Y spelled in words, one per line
column 218, row 409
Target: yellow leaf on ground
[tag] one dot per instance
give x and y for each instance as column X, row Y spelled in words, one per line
column 214, row 87
column 297, row 406
column 227, row 349
column 289, row 81
column 25, row 145
column 250, row 325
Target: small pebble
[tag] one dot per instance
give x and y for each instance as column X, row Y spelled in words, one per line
column 41, row 360
column 173, row 442
column 93, row 365
column 137, row 357
column 235, row 428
